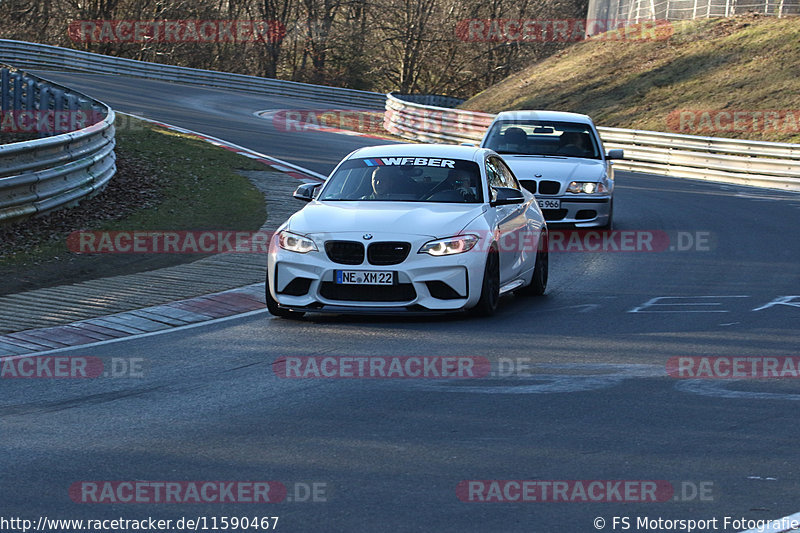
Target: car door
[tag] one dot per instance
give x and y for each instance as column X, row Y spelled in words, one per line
column 510, row 222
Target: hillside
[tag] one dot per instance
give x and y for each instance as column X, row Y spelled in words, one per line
column 704, row 72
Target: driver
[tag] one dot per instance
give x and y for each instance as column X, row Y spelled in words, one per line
column 574, row 143
column 383, row 182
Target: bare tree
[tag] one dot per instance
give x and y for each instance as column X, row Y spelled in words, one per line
column 409, row 46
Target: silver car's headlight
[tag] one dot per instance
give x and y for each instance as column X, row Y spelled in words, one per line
column 296, row 243
column 451, row 245
column 587, row 187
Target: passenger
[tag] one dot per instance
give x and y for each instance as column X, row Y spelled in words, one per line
column 516, row 140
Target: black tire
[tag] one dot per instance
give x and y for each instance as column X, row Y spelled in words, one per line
column 274, row 309
column 541, row 271
column 490, row 289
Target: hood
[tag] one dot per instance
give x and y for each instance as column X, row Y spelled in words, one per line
column 425, row 219
column 558, row 169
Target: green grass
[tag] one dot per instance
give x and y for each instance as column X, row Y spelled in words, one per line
column 747, row 63
column 202, row 188
column 191, row 185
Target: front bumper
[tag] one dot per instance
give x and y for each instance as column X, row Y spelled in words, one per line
column 581, row 212
column 422, row 283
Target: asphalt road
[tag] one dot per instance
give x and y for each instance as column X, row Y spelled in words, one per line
column 224, row 114
column 388, row 455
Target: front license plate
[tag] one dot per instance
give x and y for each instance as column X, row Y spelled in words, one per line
column 364, row 277
column 549, row 204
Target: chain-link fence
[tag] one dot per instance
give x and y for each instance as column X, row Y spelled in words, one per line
column 632, row 11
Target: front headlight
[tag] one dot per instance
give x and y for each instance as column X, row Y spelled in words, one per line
column 296, row 243
column 450, row 246
column 587, row 187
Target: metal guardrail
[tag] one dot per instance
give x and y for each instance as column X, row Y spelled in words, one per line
column 40, row 175
column 41, row 56
column 743, row 162
column 429, row 123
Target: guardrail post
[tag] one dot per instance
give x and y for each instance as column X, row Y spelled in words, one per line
column 4, row 89
column 75, row 122
column 59, row 99
column 44, row 98
column 30, row 94
column 44, row 104
column 17, row 104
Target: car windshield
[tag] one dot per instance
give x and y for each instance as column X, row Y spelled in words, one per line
column 543, row 137
column 405, row 179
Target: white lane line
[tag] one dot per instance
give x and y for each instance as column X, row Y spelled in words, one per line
column 781, row 525
column 137, row 335
column 245, row 151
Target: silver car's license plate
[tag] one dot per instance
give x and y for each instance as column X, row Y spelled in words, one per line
column 549, row 204
column 364, row 277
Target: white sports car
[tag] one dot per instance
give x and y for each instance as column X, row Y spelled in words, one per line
column 426, row 228
column 559, row 157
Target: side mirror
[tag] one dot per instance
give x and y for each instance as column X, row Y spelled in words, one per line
column 615, row 154
column 506, row 196
column 306, row 191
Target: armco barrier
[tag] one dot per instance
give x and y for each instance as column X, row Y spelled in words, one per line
column 40, row 56
column 743, row 162
column 40, row 175
column 412, row 120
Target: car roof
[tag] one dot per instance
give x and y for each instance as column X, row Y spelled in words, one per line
column 446, row 151
column 561, row 116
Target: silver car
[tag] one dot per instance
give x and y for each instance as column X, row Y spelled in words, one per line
column 559, row 157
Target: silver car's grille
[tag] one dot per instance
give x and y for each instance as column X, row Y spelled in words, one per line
column 549, row 187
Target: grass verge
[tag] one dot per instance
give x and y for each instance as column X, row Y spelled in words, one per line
column 165, row 181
